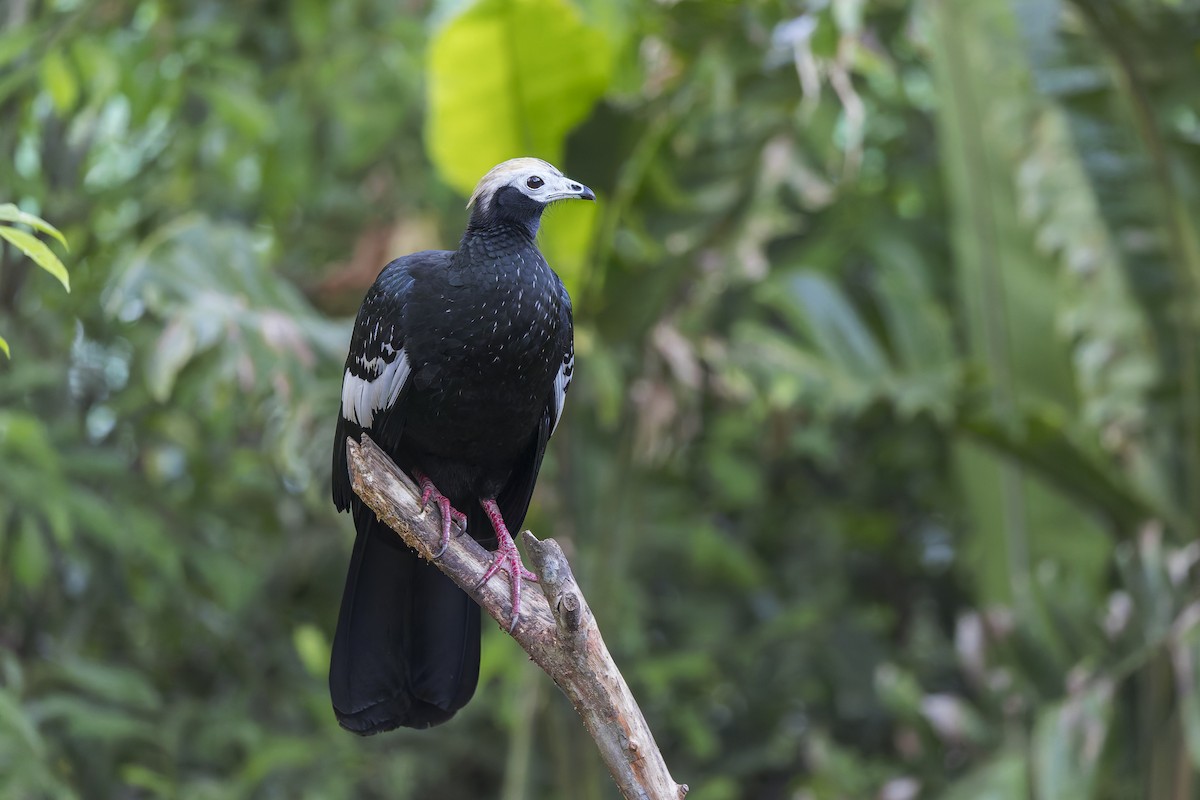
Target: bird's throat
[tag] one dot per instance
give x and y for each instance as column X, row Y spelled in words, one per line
column 497, row 243
column 493, row 221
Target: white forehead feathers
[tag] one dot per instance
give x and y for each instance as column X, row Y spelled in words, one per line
column 506, row 172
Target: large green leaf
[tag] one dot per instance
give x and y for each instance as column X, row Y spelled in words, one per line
column 1117, row 72
column 1008, row 295
column 566, row 238
column 510, row 78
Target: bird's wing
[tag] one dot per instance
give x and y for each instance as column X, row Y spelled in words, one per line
column 378, row 367
column 514, row 499
column 562, row 381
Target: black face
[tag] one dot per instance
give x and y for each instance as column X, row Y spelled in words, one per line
column 509, row 206
column 512, row 203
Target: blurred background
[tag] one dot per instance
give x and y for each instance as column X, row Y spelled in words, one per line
column 881, row 467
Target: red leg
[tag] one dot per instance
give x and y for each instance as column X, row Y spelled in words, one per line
column 449, row 514
column 508, row 558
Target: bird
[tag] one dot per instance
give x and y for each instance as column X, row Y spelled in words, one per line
column 458, row 368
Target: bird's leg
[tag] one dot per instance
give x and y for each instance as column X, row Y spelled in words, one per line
column 508, row 558
column 428, row 490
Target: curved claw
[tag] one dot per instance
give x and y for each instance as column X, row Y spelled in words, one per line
column 448, row 512
column 508, row 559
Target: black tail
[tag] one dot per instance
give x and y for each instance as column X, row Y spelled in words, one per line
column 406, row 651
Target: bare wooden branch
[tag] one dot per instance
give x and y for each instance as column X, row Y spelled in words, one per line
column 556, row 626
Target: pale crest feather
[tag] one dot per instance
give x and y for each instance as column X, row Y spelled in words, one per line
column 502, row 174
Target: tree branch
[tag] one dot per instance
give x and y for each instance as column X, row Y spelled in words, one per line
column 556, row 626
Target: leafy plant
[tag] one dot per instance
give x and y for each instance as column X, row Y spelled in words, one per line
column 31, row 246
column 877, row 467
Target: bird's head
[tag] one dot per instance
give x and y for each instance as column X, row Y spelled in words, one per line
column 518, row 191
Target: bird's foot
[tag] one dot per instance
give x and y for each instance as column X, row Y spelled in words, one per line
column 508, row 559
column 449, row 513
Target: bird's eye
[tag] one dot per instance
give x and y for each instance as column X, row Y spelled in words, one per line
column 535, row 182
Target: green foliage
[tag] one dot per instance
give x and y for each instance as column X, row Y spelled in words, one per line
column 878, row 466
column 523, row 97
column 31, row 246
column 523, row 102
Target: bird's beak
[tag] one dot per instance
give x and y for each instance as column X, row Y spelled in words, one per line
column 571, row 190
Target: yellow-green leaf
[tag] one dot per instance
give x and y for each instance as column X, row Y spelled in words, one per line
column 36, row 249
column 10, row 213
column 4, row 347
column 510, row 78
column 565, row 238
column 59, row 80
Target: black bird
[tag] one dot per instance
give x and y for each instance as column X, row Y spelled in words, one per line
column 458, row 368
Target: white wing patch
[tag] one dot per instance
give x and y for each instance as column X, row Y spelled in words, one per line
column 562, row 382
column 363, row 397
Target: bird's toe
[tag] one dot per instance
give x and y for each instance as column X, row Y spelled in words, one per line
column 449, row 513
column 508, row 560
